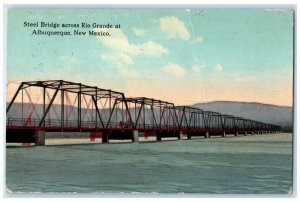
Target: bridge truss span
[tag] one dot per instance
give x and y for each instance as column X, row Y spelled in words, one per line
column 64, row 106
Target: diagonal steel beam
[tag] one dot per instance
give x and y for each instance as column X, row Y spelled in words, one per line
column 108, row 122
column 127, row 109
column 98, row 112
column 50, row 104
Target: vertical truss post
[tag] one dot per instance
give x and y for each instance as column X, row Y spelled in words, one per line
column 153, row 116
column 184, row 122
column 109, row 119
column 44, row 103
column 110, row 109
column 62, row 118
column 223, row 120
column 176, row 118
column 144, row 118
column 127, row 109
column 97, row 112
column 234, row 124
column 209, row 120
column 196, row 115
column 79, row 107
column 203, row 117
column 122, row 114
column 135, row 115
column 162, row 117
column 138, row 116
column 181, row 117
column 22, row 109
column 222, row 124
column 96, row 107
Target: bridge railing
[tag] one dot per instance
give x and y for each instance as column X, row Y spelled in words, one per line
column 19, row 122
column 153, row 127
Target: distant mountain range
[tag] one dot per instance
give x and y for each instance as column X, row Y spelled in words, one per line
column 278, row 115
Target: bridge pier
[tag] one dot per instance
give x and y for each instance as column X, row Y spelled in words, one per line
column 236, row 133
column 180, row 135
column 158, row 136
column 40, row 138
column 189, row 136
column 207, row 135
column 135, row 136
column 224, row 134
column 105, row 137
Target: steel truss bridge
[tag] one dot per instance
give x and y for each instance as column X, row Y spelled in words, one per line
column 58, row 105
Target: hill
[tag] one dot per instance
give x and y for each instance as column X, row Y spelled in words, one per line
column 279, row 115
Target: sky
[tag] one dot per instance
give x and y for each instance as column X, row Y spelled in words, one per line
column 184, row 56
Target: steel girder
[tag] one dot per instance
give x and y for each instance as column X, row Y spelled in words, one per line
column 148, row 113
column 190, row 118
column 78, row 105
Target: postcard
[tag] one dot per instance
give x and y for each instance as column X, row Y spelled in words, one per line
column 149, row 101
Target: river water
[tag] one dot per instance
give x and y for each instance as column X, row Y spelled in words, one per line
column 258, row 164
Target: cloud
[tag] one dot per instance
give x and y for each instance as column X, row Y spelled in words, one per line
column 198, row 39
column 138, row 32
column 245, row 79
column 151, row 48
column 122, row 63
column 122, row 49
column 125, row 58
column 174, row 69
column 219, row 68
column 197, row 68
column 122, row 58
column 174, row 28
column 129, row 73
